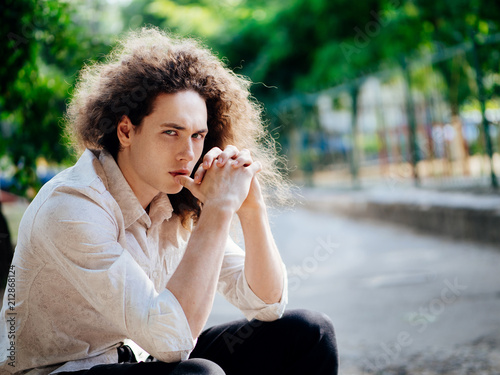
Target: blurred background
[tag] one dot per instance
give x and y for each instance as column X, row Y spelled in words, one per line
column 354, row 92
column 385, row 109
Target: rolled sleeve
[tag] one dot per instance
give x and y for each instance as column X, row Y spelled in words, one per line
column 234, row 287
column 169, row 329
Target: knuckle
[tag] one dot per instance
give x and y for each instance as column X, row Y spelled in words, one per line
column 247, row 171
column 214, row 151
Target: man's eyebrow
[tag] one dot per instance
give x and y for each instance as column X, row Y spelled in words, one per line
column 180, row 127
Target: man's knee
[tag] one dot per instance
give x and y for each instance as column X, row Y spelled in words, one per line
column 198, row 366
column 307, row 321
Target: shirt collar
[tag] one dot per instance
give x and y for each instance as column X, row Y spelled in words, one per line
column 160, row 208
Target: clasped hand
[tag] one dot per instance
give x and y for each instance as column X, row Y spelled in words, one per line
column 225, row 178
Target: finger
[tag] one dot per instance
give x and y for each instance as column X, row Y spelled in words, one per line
column 210, row 156
column 244, row 159
column 229, row 152
column 200, row 173
column 255, row 167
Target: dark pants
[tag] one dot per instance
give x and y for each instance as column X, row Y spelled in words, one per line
column 301, row 342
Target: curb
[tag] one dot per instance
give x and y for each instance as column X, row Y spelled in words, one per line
column 459, row 221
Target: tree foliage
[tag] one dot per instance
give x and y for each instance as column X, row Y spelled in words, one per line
column 44, row 48
column 286, row 47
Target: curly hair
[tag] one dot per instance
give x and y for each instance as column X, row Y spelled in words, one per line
column 149, row 62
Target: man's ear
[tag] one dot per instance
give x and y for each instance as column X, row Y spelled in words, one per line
column 124, row 131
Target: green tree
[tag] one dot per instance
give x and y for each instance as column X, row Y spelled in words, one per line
column 43, row 47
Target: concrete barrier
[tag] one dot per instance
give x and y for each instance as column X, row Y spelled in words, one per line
column 462, row 217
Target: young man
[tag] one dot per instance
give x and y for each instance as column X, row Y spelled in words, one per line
column 133, row 241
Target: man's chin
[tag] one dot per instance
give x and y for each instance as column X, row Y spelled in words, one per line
column 174, row 189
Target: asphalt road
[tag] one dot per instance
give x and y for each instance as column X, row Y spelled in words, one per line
column 402, row 302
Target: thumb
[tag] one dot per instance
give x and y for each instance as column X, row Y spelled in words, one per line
column 189, row 184
column 186, row 181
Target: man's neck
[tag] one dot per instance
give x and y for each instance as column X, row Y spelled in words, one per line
column 144, row 194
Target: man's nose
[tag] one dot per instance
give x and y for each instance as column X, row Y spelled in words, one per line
column 187, row 152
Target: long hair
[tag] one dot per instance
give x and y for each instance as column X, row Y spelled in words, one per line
column 149, row 62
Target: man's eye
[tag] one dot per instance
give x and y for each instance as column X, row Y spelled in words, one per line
column 169, row 132
column 198, row 135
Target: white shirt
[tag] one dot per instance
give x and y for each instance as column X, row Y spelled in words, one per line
column 91, row 269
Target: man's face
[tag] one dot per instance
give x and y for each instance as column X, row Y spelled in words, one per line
column 169, row 142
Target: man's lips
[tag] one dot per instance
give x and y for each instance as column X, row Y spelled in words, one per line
column 180, row 172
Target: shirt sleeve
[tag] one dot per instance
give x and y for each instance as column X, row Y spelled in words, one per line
column 81, row 238
column 234, row 287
